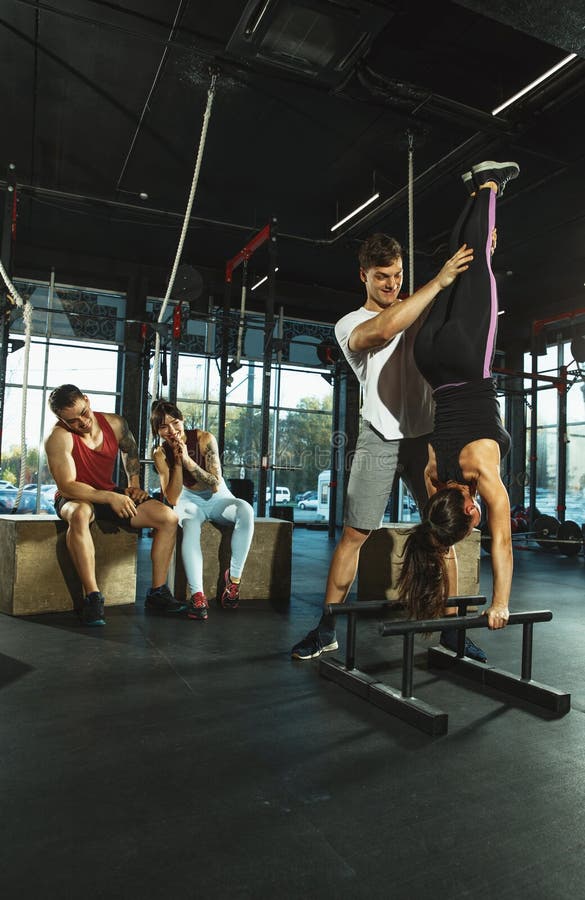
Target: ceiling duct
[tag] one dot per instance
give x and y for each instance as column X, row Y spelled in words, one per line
column 318, row 39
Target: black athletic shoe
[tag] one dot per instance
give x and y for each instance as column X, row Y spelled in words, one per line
column 449, row 641
column 162, row 603
column 467, row 179
column 314, row 644
column 500, row 172
column 91, row 610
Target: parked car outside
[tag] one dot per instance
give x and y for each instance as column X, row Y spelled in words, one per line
column 309, row 500
column 281, row 495
column 27, row 502
column 48, row 491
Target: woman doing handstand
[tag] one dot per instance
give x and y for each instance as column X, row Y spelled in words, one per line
column 454, row 351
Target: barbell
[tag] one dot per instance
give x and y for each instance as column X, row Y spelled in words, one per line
column 550, row 535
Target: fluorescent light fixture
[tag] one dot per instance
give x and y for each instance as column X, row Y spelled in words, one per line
column 262, row 280
column 533, row 84
column 501, row 312
column 258, row 283
column 355, row 212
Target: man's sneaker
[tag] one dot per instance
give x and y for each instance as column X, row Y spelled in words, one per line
column 314, row 644
column 231, row 592
column 198, row 606
column 91, row 609
column 449, row 641
column 161, row 602
column 500, row 172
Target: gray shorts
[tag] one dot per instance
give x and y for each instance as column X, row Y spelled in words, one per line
column 374, row 468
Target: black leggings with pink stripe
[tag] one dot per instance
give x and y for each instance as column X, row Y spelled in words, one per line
column 457, row 341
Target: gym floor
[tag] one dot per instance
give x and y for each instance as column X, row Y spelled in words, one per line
column 179, row 759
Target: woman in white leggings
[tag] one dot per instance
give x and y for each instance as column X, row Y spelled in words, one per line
column 189, row 469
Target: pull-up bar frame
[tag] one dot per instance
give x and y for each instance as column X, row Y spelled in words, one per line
column 267, row 234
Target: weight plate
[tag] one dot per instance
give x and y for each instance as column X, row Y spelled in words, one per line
column 546, row 529
column 571, row 533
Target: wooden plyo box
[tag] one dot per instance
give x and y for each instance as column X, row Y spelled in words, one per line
column 36, row 572
column 380, row 561
column 267, row 573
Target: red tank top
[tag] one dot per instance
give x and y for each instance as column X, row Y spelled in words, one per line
column 95, row 467
column 192, row 441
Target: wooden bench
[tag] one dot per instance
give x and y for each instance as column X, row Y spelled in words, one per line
column 267, row 574
column 380, row 561
column 36, row 572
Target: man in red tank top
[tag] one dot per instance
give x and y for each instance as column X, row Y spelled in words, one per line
column 82, row 450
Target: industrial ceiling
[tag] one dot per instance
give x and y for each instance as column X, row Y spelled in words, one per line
column 316, row 104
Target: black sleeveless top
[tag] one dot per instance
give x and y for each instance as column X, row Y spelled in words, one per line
column 192, row 441
column 465, row 413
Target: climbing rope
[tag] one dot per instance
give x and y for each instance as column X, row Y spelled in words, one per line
column 156, row 362
column 27, row 311
column 163, row 309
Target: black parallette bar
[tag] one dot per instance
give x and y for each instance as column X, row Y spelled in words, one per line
column 534, row 692
column 527, row 640
column 411, row 710
column 350, row 642
column 425, row 625
column 407, row 664
column 356, row 681
column 344, row 609
column 415, row 712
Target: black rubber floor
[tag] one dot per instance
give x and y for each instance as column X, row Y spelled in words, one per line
column 179, row 759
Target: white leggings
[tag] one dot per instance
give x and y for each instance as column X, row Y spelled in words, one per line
column 196, row 507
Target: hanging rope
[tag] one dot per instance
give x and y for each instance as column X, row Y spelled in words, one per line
column 163, row 309
column 27, row 319
column 410, row 213
column 156, row 361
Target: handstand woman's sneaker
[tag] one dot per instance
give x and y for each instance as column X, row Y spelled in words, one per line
column 449, row 641
column 467, row 179
column 500, row 172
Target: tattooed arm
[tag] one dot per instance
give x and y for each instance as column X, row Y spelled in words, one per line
column 129, row 451
column 212, row 463
column 209, row 477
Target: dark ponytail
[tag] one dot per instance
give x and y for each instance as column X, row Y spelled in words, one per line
column 423, row 585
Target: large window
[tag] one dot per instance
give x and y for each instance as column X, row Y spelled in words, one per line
column 548, row 436
column 575, row 501
column 92, row 368
column 299, row 430
column 92, row 365
column 547, row 430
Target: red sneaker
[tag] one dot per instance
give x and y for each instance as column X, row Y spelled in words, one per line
column 230, row 597
column 198, row 606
